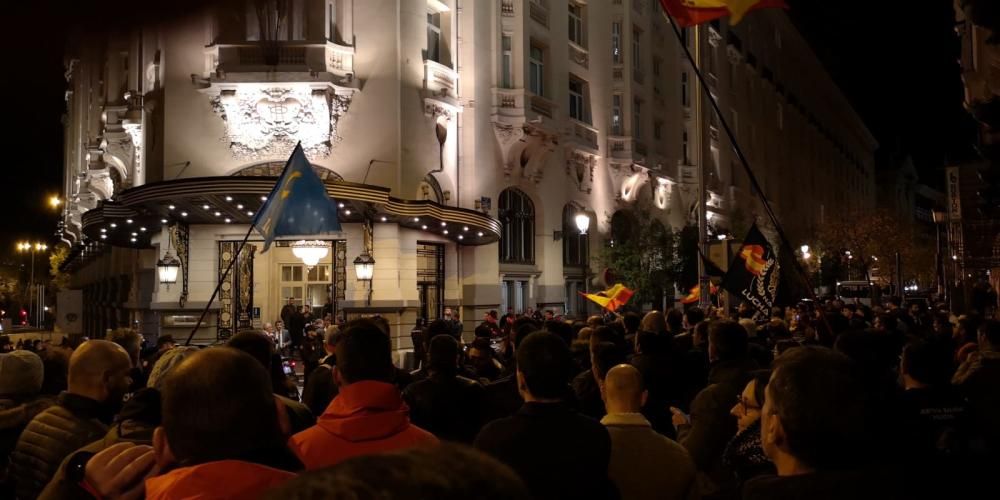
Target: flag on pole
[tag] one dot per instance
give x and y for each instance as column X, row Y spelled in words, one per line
column 755, row 273
column 692, row 12
column 695, row 294
column 612, row 298
column 298, row 204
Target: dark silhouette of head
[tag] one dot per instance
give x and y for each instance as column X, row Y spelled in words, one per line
column 443, row 355
column 727, row 341
column 364, row 353
column 544, row 365
column 814, row 409
column 207, row 402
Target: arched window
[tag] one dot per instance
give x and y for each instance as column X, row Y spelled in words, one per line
column 576, row 246
column 517, row 234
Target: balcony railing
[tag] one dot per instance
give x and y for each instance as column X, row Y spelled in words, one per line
column 542, row 105
column 507, row 8
column 249, row 57
column 617, row 72
column 585, row 134
column 539, row 13
column 620, row 147
column 579, row 55
column 440, row 79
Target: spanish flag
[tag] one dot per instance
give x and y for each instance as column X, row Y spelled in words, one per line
column 612, row 298
column 695, row 294
column 692, row 12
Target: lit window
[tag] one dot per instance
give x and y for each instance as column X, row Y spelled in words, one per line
column 616, row 115
column 616, row 42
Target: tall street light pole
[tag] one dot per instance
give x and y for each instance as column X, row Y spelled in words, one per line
column 31, row 248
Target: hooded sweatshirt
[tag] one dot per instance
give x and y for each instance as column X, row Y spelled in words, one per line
column 366, row 417
column 225, row 479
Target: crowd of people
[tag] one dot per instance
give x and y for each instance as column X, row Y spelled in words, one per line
column 819, row 401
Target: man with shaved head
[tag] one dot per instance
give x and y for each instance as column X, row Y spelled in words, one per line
column 644, row 464
column 98, row 379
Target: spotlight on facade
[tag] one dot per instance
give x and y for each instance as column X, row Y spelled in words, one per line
column 582, row 221
column 310, row 252
column 167, row 269
column 804, row 249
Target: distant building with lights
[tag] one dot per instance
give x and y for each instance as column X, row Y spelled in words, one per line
column 464, row 138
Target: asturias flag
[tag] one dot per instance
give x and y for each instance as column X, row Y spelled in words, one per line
column 612, row 298
column 298, row 204
column 692, row 12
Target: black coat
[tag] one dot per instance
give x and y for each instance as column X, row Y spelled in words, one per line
column 502, row 398
column 321, row 387
column 450, row 407
column 557, row 452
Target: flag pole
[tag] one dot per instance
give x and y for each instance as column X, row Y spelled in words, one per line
column 786, row 246
column 225, row 274
column 204, row 312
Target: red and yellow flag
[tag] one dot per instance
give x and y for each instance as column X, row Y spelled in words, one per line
column 692, row 12
column 695, row 294
column 612, row 298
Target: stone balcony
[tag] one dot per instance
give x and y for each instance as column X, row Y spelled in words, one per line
column 579, row 55
column 583, row 135
column 625, row 149
column 259, row 61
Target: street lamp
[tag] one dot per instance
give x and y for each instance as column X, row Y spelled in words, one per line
column 364, row 268
column 582, row 222
column 54, row 201
column 167, row 268
column 31, row 248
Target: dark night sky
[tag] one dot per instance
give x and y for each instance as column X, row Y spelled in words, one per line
column 895, row 59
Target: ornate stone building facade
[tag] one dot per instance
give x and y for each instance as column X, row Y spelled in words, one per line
column 469, row 135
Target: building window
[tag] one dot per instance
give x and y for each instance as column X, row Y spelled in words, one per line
column 430, row 279
column 637, row 118
column 616, row 115
column 506, row 63
column 292, row 28
column 576, row 24
column 636, row 53
column 307, row 286
column 685, row 93
column 658, row 130
column 517, row 233
column 576, row 246
column 331, row 21
column 514, row 294
column 434, row 36
column 657, row 62
column 536, row 66
column 616, row 42
column 577, row 103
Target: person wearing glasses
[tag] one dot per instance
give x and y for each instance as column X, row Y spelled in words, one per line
column 744, row 455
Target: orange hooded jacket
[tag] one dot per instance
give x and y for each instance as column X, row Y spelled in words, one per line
column 366, row 417
column 229, row 479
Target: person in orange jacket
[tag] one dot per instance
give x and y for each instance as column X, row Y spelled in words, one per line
column 368, row 415
column 220, row 436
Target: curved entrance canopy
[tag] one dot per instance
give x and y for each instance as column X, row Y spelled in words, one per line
column 135, row 214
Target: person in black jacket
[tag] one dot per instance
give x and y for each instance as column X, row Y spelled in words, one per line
column 321, row 388
column 297, row 417
column 446, row 404
column 556, row 451
column 812, row 428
